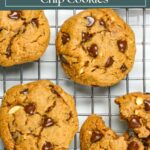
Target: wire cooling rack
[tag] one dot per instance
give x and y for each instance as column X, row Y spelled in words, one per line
column 88, row 99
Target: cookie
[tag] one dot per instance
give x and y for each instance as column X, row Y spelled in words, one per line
column 37, row 116
column 24, row 36
column 135, row 109
column 95, row 135
column 96, row 47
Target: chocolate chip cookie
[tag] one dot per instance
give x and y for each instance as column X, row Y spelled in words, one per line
column 37, row 116
column 96, row 47
column 24, row 36
column 135, row 108
column 95, row 135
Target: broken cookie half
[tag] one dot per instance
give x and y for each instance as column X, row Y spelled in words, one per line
column 135, row 109
column 94, row 135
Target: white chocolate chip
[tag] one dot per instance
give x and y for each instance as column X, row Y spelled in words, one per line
column 90, row 132
column 14, row 109
column 112, row 18
column 81, row 71
column 139, row 101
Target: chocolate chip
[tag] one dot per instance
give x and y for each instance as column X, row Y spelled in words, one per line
column 91, row 21
column 133, row 146
column 51, row 107
column 86, row 36
column 96, row 136
column 30, row 108
column 145, row 143
column 15, row 135
column 147, row 93
column 109, row 62
column 123, row 68
column 69, row 116
column 25, row 92
column 95, row 68
column 35, row 22
column 15, row 15
column 47, row 146
column 8, row 51
column 65, row 38
column 134, row 122
column 102, row 23
column 147, row 105
column 86, row 64
column 94, row 85
column 55, row 92
column 93, row 50
column 63, row 60
column 47, row 122
column 122, row 45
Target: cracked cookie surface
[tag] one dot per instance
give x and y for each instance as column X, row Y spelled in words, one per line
column 24, row 36
column 94, row 135
column 135, row 108
column 37, row 116
column 96, row 47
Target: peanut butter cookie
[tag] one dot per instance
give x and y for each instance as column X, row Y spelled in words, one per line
column 96, row 47
column 37, row 116
column 24, row 36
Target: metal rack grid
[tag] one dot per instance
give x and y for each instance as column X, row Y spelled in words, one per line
column 88, row 99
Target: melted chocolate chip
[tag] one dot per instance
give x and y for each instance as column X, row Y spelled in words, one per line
column 30, row 108
column 133, row 146
column 147, row 105
column 65, row 38
column 8, row 51
column 15, row 15
column 91, row 21
column 47, row 122
column 93, row 50
column 102, row 23
column 35, row 22
column 47, row 146
column 123, row 68
column 96, row 136
column 134, row 122
column 86, row 36
column 109, row 62
column 25, row 92
column 122, row 45
column 63, row 60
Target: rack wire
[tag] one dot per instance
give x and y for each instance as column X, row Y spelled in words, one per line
column 88, row 99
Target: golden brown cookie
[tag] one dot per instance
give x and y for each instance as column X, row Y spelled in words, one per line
column 135, row 108
column 94, row 135
column 24, row 36
column 96, row 47
column 37, row 116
